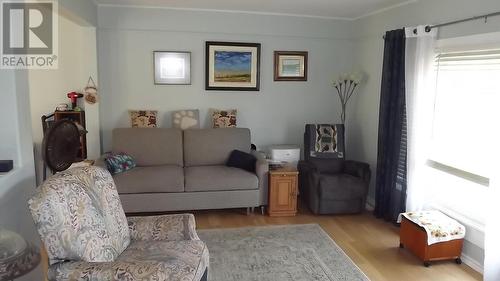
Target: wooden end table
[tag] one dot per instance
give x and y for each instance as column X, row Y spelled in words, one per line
column 283, row 190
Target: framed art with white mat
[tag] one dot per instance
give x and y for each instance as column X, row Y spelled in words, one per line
column 172, row 68
column 290, row 66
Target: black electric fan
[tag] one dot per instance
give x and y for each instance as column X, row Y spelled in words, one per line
column 60, row 146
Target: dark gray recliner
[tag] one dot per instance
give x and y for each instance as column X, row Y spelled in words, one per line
column 328, row 183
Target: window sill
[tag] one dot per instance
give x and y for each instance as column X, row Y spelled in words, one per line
column 477, row 179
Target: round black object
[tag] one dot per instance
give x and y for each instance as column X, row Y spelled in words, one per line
column 60, row 145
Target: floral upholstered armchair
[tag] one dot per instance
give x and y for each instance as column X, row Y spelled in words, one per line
column 82, row 224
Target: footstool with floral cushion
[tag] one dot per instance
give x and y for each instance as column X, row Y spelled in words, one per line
column 432, row 236
column 82, row 224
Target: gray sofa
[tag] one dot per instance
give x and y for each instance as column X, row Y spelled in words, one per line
column 185, row 170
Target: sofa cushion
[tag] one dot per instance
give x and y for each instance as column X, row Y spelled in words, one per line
column 242, row 160
column 154, row 179
column 213, row 146
column 215, row 178
column 177, row 260
column 143, row 260
column 79, row 216
column 150, row 146
column 341, row 187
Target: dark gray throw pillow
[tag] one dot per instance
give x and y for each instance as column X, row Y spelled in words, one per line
column 242, row 160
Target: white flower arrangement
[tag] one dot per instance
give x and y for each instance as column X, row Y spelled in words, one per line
column 346, row 85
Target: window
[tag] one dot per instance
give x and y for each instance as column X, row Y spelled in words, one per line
column 467, row 96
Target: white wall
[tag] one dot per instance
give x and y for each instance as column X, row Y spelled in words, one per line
column 20, row 119
column 15, row 134
column 276, row 114
column 16, row 126
column 363, row 116
column 8, row 134
column 48, row 88
column 82, row 12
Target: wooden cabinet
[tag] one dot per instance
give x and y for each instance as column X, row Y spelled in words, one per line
column 283, row 192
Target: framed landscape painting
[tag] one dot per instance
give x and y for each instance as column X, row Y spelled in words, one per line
column 232, row 66
column 290, row 66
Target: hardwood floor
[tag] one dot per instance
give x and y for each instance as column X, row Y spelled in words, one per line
column 371, row 243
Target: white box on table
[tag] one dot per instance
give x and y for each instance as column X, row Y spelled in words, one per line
column 285, row 153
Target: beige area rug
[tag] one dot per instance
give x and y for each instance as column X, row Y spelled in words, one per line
column 277, row 253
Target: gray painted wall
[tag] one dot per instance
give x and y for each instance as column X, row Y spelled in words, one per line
column 363, row 116
column 276, row 114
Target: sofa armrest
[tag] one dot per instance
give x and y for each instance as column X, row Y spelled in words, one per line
column 309, row 174
column 262, row 170
column 358, row 169
column 163, row 228
column 101, row 161
column 306, row 167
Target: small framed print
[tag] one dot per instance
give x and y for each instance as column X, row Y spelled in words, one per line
column 290, row 66
column 172, row 68
column 232, row 66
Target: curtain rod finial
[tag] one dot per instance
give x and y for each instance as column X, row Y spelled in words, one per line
column 428, row 28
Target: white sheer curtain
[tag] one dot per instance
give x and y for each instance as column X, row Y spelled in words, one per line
column 492, row 232
column 492, row 236
column 420, row 93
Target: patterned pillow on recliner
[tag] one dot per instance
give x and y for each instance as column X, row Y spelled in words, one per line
column 324, row 141
column 326, row 138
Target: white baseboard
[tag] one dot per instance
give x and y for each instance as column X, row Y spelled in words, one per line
column 474, row 264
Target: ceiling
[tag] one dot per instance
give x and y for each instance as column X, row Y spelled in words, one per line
column 342, row 9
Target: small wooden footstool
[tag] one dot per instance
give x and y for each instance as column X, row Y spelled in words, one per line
column 432, row 236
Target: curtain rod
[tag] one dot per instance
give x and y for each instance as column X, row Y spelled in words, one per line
column 430, row 27
column 485, row 17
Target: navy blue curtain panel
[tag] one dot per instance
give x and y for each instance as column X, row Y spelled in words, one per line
column 390, row 197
